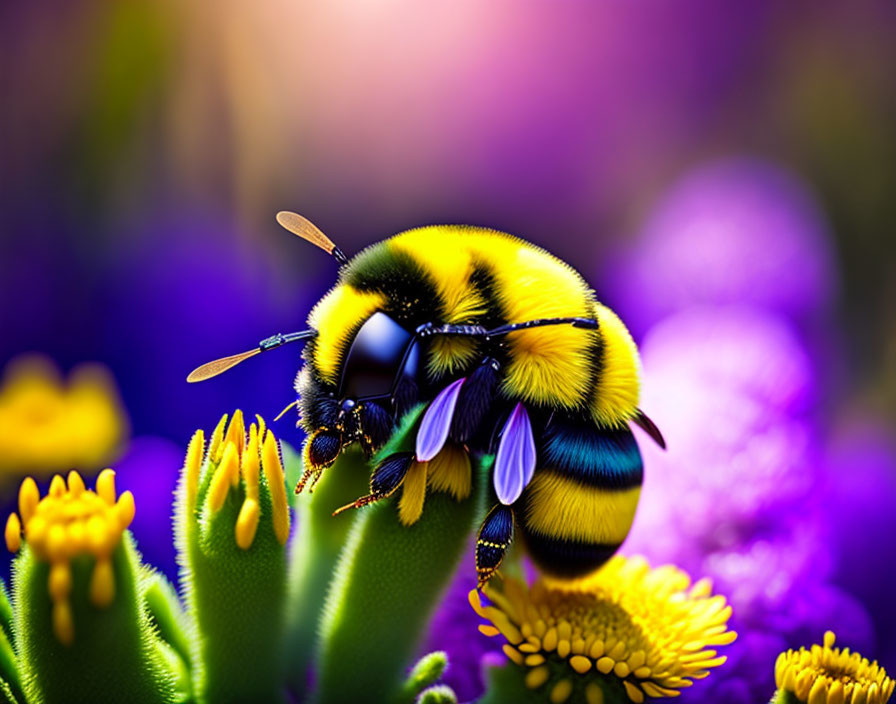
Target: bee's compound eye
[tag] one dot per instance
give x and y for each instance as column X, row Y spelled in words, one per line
column 324, row 449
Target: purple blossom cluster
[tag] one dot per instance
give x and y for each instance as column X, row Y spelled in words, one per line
column 733, row 374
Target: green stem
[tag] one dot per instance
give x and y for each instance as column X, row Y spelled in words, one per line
column 314, row 552
column 114, row 648
column 389, row 580
column 237, row 598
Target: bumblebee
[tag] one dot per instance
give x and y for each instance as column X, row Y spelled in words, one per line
column 473, row 342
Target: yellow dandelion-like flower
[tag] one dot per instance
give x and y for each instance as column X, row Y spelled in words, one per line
column 50, row 424
column 828, row 675
column 647, row 632
column 69, row 522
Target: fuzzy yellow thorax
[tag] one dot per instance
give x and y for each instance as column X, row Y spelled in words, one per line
column 72, row 521
column 648, row 628
column 828, row 675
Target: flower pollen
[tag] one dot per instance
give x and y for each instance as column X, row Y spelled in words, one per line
column 828, row 675
column 235, row 455
column 647, row 629
column 72, row 521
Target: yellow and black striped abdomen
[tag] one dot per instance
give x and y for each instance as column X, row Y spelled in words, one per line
column 581, row 502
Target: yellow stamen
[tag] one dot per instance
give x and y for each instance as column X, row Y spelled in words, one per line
column 214, row 448
column 102, row 584
column 13, row 533
column 70, row 521
column 75, row 484
column 217, row 490
column 247, row 523
column 105, row 486
column 413, row 494
column 537, row 677
column 193, row 465
column 29, row 497
column 561, row 691
column 60, row 581
column 57, row 486
column 236, row 431
column 594, row 694
column 273, row 472
column 125, row 509
column 828, row 675
column 250, row 464
column 635, row 694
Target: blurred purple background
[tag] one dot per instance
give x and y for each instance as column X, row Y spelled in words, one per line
column 722, row 173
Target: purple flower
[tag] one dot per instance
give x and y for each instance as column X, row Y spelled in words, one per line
column 739, row 231
column 738, row 496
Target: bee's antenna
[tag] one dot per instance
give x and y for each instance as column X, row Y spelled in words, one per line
column 219, row 366
column 307, row 230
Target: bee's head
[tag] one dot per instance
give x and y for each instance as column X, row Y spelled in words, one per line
column 377, row 381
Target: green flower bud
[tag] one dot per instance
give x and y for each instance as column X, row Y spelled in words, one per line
column 81, row 631
column 232, row 523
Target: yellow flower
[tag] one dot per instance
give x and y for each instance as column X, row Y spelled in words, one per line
column 234, row 457
column 47, row 424
column 828, row 675
column 69, row 522
column 627, row 627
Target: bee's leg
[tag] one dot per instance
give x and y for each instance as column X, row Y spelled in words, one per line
column 321, row 451
column 495, row 537
column 386, row 478
column 475, row 398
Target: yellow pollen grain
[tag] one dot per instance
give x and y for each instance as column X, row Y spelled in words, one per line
column 594, row 694
column 247, row 523
column 125, row 509
column 605, row 665
column 635, row 694
column 102, row 584
column 56, row 542
column 513, row 654
column 57, row 486
column 580, row 664
column 273, row 472
column 561, row 691
column 534, row 660
column 193, row 465
column 13, row 533
column 29, row 497
column 537, row 677
column 59, row 583
column 75, row 484
column 105, row 486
